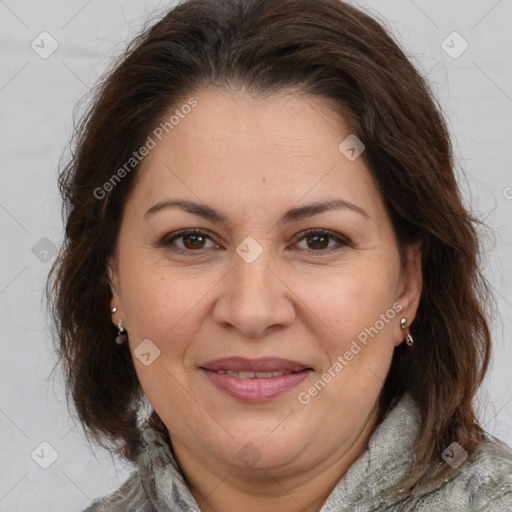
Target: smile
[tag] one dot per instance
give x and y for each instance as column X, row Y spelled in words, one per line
column 255, row 380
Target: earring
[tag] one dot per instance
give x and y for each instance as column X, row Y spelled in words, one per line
column 407, row 333
column 121, row 334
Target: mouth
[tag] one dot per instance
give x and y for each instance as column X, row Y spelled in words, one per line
column 255, row 380
column 262, row 365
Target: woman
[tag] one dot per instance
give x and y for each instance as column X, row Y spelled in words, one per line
column 269, row 297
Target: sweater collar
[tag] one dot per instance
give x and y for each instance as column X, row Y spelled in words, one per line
column 385, row 462
column 380, row 467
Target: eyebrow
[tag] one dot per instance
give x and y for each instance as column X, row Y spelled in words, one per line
column 292, row 215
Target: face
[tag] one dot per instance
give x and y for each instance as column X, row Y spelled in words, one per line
column 261, row 338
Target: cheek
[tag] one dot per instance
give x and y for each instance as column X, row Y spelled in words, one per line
column 170, row 306
column 166, row 308
column 157, row 301
column 350, row 301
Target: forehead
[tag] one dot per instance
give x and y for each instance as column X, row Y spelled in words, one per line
column 277, row 148
column 231, row 122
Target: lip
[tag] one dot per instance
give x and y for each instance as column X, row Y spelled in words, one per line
column 255, row 389
column 265, row 364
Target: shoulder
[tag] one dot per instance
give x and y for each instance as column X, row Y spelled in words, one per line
column 130, row 497
column 482, row 484
column 487, row 479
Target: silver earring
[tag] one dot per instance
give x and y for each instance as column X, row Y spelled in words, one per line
column 407, row 334
column 121, row 334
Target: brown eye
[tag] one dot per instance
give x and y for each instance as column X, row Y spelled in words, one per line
column 193, row 241
column 318, row 240
column 187, row 241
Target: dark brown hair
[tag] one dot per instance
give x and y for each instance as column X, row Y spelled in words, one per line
column 323, row 48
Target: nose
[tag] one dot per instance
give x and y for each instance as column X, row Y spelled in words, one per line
column 254, row 299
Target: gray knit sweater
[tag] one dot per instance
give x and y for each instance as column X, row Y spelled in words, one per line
column 483, row 482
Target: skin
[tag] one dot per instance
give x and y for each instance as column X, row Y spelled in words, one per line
column 253, row 159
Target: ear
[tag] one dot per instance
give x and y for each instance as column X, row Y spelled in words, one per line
column 114, row 282
column 409, row 289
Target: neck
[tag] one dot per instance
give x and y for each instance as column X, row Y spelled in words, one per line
column 221, row 488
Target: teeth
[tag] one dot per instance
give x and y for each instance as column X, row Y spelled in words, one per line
column 265, row 375
column 253, row 375
column 245, row 375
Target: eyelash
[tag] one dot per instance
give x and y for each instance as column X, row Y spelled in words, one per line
column 167, row 240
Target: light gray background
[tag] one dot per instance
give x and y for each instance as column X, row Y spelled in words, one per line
column 37, row 97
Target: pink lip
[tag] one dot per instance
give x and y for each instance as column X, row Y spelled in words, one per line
column 255, row 390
